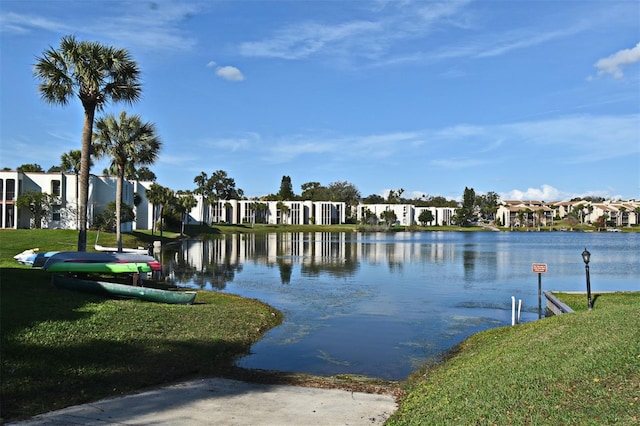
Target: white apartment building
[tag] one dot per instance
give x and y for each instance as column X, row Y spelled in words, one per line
column 64, row 188
column 407, row 214
column 515, row 214
column 269, row 212
column 102, row 191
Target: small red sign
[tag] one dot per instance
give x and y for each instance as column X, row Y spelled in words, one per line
column 539, row 268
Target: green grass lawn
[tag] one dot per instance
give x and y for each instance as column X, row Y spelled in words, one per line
column 60, row 348
column 581, row 368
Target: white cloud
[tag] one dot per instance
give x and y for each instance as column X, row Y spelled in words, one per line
column 613, row 64
column 522, row 40
column 374, row 34
column 303, row 40
column 229, row 73
column 549, row 193
column 141, row 26
column 544, row 193
column 20, row 24
column 211, row 64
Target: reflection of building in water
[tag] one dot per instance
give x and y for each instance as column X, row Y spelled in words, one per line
column 215, row 261
column 297, row 247
column 313, row 250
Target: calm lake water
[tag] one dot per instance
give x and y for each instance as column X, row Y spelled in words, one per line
column 380, row 304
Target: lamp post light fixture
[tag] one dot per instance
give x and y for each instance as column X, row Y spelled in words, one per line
column 586, row 256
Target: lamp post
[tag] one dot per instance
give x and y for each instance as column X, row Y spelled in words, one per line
column 586, row 256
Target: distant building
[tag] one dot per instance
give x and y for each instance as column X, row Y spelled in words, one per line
column 270, row 212
column 62, row 186
column 102, row 191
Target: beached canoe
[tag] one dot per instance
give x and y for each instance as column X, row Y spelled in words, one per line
column 139, row 250
column 99, row 257
column 125, row 291
column 100, row 268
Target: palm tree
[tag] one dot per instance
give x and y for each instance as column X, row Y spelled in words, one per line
column 204, row 190
column 70, row 163
column 129, row 142
column 284, row 211
column 159, row 196
column 96, row 74
column 521, row 215
column 185, row 201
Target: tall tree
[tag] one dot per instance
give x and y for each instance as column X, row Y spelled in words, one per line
column 223, row 188
column 129, row 142
column 314, row 191
column 286, row 189
column 466, row 212
column 343, row 191
column 96, row 74
column 346, row 192
column 488, row 204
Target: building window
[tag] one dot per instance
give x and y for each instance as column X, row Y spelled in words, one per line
column 8, row 220
column 11, row 189
column 55, row 213
column 55, row 188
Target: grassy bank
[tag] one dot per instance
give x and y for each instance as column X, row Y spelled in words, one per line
column 582, row 368
column 60, row 348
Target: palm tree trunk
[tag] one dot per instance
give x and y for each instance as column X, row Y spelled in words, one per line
column 119, row 183
column 77, row 195
column 87, row 130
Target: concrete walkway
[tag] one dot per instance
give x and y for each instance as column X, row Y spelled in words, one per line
column 228, row 402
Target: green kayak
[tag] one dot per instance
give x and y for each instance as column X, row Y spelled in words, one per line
column 122, row 290
column 100, row 267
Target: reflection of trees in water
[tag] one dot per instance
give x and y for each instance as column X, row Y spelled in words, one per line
column 217, row 275
column 286, row 269
column 338, row 268
column 338, row 264
column 213, row 269
column 468, row 262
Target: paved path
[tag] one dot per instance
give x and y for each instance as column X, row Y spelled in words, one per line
column 228, row 402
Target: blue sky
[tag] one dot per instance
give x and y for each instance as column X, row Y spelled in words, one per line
column 529, row 99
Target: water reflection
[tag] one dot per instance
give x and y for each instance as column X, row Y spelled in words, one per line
column 380, row 304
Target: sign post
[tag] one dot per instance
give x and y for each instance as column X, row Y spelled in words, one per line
column 539, row 268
